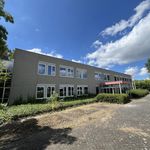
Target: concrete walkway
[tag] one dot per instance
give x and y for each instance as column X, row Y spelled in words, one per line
column 91, row 127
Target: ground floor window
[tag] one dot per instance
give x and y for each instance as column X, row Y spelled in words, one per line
column 82, row 90
column 44, row 91
column 40, row 92
column 66, row 90
column 4, row 90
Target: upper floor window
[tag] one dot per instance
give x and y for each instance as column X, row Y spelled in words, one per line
column 107, row 77
column 98, row 76
column 51, row 69
column 41, row 68
column 81, row 73
column 66, row 71
column 45, row 68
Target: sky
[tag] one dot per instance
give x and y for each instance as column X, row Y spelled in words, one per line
column 111, row 34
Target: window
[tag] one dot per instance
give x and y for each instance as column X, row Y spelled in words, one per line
column 63, row 72
column 45, row 68
column 66, row 90
column 106, row 77
column 50, row 91
column 42, row 69
column 40, row 92
column 66, row 71
column 51, row 70
column 85, row 90
column 44, row 91
column 98, row 76
column 82, row 90
column 81, row 73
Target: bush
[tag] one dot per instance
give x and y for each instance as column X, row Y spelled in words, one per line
column 113, row 98
column 79, row 97
column 137, row 93
column 54, row 100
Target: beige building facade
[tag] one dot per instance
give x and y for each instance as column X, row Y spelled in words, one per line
column 36, row 75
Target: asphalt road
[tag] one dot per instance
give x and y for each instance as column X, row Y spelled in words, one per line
column 91, row 127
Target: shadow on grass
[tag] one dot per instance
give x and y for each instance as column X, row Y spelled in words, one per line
column 29, row 135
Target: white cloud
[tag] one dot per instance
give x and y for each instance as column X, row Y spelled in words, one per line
column 77, row 61
column 137, row 72
column 132, row 71
column 52, row 53
column 123, row 24
column 143, row 71
column 96, row 44
column 130, row 48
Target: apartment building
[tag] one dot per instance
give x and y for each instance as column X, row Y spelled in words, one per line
column 40, row 75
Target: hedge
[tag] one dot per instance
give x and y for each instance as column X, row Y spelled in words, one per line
column 137, row 93
column 113, row 98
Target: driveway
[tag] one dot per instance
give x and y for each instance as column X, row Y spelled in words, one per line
column 89, row 127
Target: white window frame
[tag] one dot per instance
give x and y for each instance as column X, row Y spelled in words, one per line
column 37, row 91
column 82, row 86
column 98, row 78
column 67, row 93
column 67, row 73
column 105, row 75
column 45, row 86
column 82, row 71
column 46, row 68
column 42, row 63
column 52, row 65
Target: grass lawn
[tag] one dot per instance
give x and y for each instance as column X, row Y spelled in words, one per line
column 9, row 113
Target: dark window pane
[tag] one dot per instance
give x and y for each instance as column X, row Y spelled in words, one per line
column 49, row 70
column 48, row 91
column 61, row 92
column 1, row 92
column 40, row 92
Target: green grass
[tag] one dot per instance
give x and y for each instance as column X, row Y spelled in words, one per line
column 9, row 113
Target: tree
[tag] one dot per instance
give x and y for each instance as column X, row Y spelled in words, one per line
column 147, row 65
column 3, row 32
column 4, row 76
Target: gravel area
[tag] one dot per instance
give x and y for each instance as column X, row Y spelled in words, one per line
column 89, row 127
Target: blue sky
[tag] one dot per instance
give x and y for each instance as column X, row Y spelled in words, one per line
column 104, row 33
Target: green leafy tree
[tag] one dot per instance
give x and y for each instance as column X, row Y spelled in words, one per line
column 3, row 32
column 147, row 65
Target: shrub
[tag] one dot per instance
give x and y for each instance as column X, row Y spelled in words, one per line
column 137, row 93
column 79, row 97
column 113, row 98
column 54, row 100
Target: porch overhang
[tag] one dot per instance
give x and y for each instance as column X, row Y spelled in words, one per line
column 114, row 83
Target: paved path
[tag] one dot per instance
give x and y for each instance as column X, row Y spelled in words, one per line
column 91, row 127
